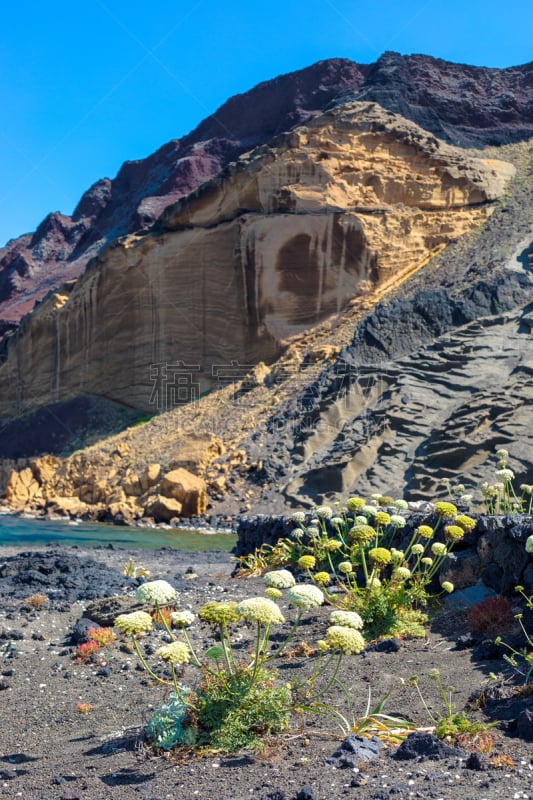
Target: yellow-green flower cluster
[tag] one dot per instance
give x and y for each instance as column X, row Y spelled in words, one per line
column 273, row 593
column 445, row 509
column 305, row 596
column 331, row 545
column 397, row 521
column 447, row 586
column 438, row 549
column 322, row 578
column 279, row 578
column 380, row 556
column 261, row 610
column 355, row 503
column 136, row 622
column 307, row 562
column 347, row 640
column 346, row 567
column 382, row 518
column 156, row 593
column 417, row 549
column 453, row 533
column 465, row 522
column 363, row 533
column 424, row 531
column 219, row 612
column 174, row 653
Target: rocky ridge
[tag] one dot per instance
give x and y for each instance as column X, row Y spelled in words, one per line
column 460, row 104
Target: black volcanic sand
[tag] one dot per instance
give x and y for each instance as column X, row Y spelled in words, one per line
column 49, row 750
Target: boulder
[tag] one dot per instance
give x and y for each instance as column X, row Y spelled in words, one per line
column 67, row 506
column 196, row 452
column 188, row 489
column 149, row 476
column 162, row 508
column 22, row 488
column 132, row 485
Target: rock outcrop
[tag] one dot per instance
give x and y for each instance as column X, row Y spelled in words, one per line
column 460, row 104
column 348, row 204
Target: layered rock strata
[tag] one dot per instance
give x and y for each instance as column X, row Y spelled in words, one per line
column 352, row 202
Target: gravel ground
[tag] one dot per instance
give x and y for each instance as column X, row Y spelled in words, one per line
column 49, row 750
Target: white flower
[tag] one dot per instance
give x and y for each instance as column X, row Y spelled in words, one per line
column 360, row 520
column 337, row 521
column 136, row 622
column 324, row 512
column 439, row 549
column 305, row 596
column 279, row 578
column 298, row 517
column 505, row 474
column 313, row 532
column 397, row 521
column 181, row 619
column 369, row 510
column 297, row 533
column 417, row 549
column 397, row 555
column 447, row 586
column 349, row 619
column 156, row 592
column 261, row 610
column 174, row 653
column 401, row 505
column 401, row 573
column 348, row 640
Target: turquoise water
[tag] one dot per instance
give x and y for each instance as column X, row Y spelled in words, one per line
column 20, row 532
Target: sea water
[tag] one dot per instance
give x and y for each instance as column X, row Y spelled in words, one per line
column 23, row 532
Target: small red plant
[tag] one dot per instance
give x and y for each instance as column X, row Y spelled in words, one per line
column 492, row 616
column 84, row 708
column 102, row 636
column 86, row 650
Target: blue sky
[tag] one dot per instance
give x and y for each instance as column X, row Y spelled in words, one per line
column 86, row 86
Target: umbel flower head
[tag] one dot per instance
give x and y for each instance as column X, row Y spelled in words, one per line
column 324, row 512
column 355, row 503
column 181, row 619
column 305, row 596
column 219, row 612
column 298, row 517
column 332, row 545
column 397, row 521
column 380, row 556
column 346, row 567
column 322, row 578
column 453, row 533
column 136, row 622
column 417, row 549
column 279, row 578
column 401, row 504
column 363, row 533
column 445, row 509
column 307, row 562
column 174, row 653
column 348, row 619
column 465, row 522
column 382, row 518
column 505, row 475
column 439, row 549
column 447, row 586
column 273, row 593
column 156, row 593
column 401, row 573
column 347, row 640
column 261, row 610
column 424, row 531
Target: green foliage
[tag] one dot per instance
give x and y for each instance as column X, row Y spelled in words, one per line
column 234, row 711
column 457, row 724
column 166, row 727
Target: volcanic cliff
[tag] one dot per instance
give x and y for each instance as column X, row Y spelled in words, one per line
column 460, row 104
column 362, row 279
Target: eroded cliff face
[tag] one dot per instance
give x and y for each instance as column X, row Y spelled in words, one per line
column 350, row 203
